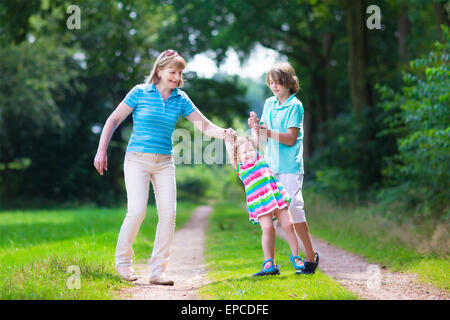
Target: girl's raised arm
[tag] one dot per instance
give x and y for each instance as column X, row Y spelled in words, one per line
column 255, row 135
column 230, row 145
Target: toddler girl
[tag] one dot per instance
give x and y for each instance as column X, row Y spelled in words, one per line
column 267, row 200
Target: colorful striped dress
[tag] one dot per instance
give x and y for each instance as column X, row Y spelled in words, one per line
column 263, row 191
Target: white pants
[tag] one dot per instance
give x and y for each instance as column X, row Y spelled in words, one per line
column 139, row 169
column 293, row 183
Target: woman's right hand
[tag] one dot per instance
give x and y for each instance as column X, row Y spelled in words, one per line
column 101, row 161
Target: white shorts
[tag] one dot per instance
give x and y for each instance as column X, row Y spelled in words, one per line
column 293, row 184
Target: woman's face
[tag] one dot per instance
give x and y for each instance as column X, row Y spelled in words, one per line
column 245, row 152
column 170, row 77
column 278, row 90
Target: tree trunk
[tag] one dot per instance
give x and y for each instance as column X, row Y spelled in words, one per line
column 307, row 130
column 318, row 81
column 6, row 172
column 327, row 43
column 404, row 27
column 358, row 55
column 441, row 17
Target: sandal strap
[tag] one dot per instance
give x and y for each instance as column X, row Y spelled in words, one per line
column 265, row 261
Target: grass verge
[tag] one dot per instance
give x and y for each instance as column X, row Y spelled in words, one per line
column 38, row 247
column 420, row 249
column 233, row 253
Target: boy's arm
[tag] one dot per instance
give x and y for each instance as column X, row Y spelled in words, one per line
column 289, row 138
column 294, row 123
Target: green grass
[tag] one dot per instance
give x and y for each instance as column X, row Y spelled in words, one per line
column 234, row 253
column 420, row 249
column 37, row 247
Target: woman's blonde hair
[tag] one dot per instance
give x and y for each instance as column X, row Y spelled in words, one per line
column 283, row 73
column 239, row 141
column 167, row 59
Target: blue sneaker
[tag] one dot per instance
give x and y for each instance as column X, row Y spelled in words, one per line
column 310, row 267
column 271, row 271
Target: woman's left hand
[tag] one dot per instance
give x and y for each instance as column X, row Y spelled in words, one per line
column 101, row 161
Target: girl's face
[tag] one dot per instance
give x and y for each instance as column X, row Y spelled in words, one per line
column 170, row 77
column 278, row 90
column 246, row 151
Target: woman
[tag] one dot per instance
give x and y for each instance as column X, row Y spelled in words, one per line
column 156, row 105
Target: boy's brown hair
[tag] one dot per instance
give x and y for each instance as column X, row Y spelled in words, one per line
column 283, row 73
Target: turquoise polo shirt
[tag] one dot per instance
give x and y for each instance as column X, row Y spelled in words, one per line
column 280, row 157
column 154, row 119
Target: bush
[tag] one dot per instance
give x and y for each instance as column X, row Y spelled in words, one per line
column 349, row 166
column 337, row 183
column 203, row 182
column 421, row 120
column 192, row 182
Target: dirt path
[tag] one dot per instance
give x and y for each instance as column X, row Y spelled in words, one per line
column 187, row 268
column 186, row 265
column 370, row 281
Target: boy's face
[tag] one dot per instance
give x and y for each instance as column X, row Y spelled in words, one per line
column 246, row 151
column 278, row 90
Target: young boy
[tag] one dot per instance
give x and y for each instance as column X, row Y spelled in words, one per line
column 281, row 125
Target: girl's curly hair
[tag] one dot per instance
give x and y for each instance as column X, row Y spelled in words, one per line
column 239, row 141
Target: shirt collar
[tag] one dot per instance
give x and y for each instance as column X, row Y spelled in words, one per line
column 152, row 87
column 284, row 104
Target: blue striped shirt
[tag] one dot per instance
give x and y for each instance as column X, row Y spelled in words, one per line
column 154, row 119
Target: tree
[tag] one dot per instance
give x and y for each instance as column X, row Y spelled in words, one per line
column 27, row 94
column 441, row 15
column 15, row 19
column 109, row 54
column 304, row 31
column 360, row 88
column 67, row 82
column 420, row 119
column 222, row 97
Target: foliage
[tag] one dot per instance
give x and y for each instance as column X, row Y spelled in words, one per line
column 421, row 121
column 194, row 182
column 15, row 19
column 34, row 80
column 220, row 96
column 349, row 164
column 66, row 83
column 421, row 248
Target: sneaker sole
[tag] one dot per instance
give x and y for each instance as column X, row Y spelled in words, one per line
column 162, row 283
